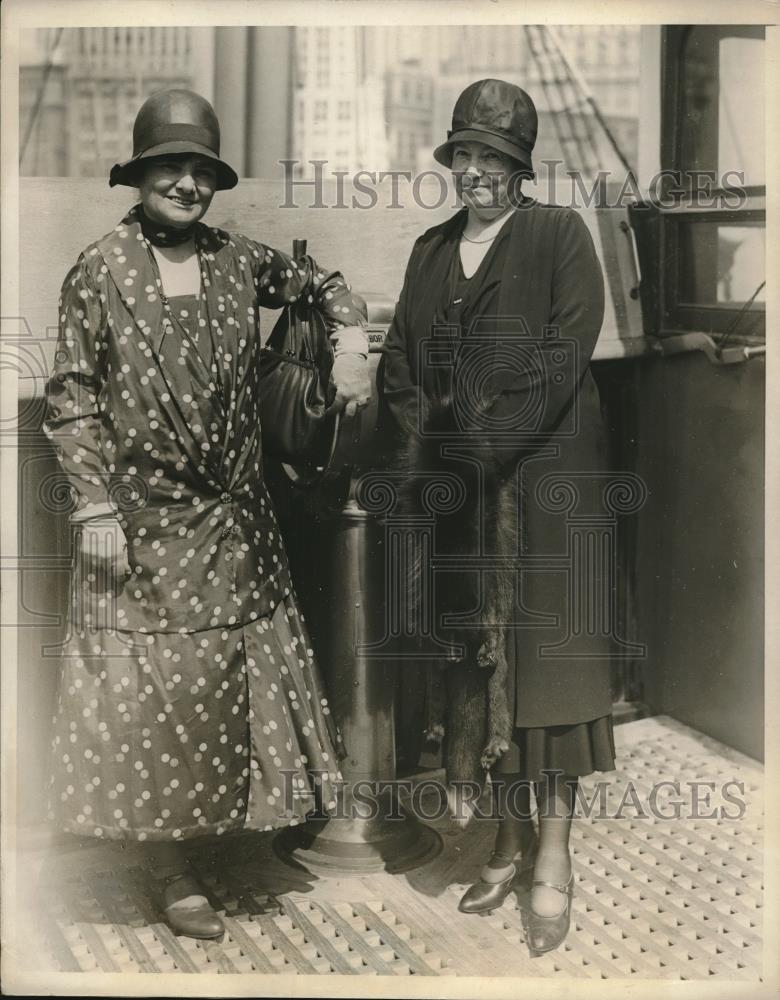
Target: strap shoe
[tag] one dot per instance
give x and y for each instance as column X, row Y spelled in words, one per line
column 544, row 934
column 484, row 897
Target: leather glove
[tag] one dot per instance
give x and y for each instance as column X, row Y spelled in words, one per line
column 349, row 376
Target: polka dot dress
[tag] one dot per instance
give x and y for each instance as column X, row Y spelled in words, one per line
column 177, row 737
column 189, row 701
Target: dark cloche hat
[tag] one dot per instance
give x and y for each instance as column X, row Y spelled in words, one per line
column 174, row 121
column 497, row 113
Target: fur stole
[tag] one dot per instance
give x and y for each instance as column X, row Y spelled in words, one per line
column 467, row 702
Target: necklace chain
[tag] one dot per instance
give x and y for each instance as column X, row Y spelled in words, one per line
column 490, row 239
column 469, row 239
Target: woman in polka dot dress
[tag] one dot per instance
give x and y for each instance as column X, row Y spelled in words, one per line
column 189, row 702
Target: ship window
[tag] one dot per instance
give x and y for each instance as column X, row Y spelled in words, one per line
column 712, row 238
column 721, row 263
column 721, row 125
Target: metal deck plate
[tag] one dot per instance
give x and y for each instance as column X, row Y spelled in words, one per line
column 655, row 898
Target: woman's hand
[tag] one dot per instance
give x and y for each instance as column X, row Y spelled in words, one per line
column 350, row 377
column 104, row 549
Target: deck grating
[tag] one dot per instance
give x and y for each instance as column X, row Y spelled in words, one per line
column 656, row 898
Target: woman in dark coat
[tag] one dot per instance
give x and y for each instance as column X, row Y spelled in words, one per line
column 189, row 702
column 486, row 376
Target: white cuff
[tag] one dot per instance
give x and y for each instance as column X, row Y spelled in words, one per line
column 93, row 512
column 350, row 340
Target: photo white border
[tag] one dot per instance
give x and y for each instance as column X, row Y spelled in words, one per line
column 25, row 14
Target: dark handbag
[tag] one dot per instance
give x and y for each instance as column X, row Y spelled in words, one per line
column 295, row 390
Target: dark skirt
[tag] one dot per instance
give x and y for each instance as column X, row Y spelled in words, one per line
column 575, row 750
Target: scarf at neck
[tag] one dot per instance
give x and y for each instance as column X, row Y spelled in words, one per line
column 161, row 235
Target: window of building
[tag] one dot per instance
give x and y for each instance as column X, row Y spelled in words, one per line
column 86, row 116
column 419, row 76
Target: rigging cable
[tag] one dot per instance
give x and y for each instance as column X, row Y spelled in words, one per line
column 737, row 320
column 572, row 106
column 48, row 67
column 590, row 99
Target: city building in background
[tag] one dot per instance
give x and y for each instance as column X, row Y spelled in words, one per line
column 360, row 98
column 339, row 107
column 80, row 89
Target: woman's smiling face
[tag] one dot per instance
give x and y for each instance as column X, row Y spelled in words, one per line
column 482, row 177
column 177, row 190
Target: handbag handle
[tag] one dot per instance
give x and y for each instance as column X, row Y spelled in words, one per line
column 345, row 435
column 304, row 333
column 344, row 438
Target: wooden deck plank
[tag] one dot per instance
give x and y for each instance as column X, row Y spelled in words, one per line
column 290, row 952
column 356, row 942
column 249, row 947
column 97, row 947
column 391, row 938
column 174, row 949
column 464, row 940
column 53, row 936
column 317, row 938
column 216, row 955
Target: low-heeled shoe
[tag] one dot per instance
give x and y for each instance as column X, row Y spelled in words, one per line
column 484, row 897
column 189, row 912
column 545, row 934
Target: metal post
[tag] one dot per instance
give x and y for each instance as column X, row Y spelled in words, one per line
column 372, row 832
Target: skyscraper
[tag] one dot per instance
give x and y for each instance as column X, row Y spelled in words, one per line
column 338, row 102
column 355, row 96
column 81, row 89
